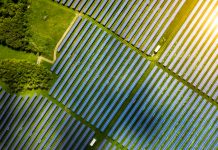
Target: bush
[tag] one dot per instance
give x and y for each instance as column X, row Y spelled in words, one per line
column 22, row 75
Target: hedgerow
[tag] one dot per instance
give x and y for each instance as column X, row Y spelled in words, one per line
column 22, row 75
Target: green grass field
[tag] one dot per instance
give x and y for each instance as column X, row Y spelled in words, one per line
column 8, row 53
column 48, row 23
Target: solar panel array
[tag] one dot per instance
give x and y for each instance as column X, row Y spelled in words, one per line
column 96, row 72
column 129, row 99
column 142, row 23
column 165, row 114
column 36, row 123
column 193, row 52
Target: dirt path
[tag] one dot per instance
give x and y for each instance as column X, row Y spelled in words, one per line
column 41, row 58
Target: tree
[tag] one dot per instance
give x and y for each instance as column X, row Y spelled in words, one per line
column 14, row 26
column 21, row 75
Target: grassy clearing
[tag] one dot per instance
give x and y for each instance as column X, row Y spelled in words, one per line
column 48, row 23
column 8, row 53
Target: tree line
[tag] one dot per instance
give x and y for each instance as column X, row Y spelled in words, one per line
column 22, row 75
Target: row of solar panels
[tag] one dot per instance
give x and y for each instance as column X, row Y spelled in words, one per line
column 106, row 145
column 95, row 69
column 36, row 123
column 192, row 54
column 96, row 73
column 142, row 23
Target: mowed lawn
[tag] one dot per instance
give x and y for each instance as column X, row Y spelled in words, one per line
column 48, row 22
